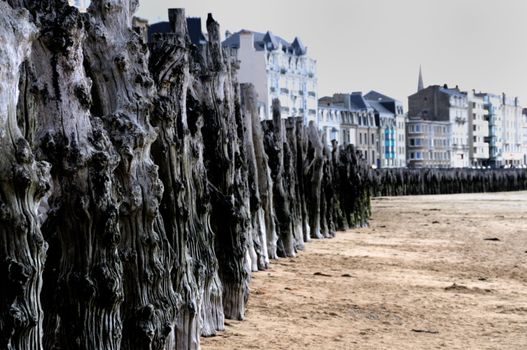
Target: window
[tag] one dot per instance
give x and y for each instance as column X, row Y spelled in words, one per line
column 412, row 155
column 360, row 137
column 418, row 155
column 372, row 139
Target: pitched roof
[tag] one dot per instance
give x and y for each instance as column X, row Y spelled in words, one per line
column 377, row 96
column 193, row 26
column 452, row 92
column 266, row 40
column 359, row 101
column 194, row 31
column 379, row 108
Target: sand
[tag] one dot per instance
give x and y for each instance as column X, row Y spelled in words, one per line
column 431, row 272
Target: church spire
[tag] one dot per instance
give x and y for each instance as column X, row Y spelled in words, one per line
column 420, row 85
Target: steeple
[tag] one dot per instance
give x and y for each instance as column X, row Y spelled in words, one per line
column 420, row 85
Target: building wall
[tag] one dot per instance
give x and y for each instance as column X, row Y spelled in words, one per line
column 400, row 143
column 253, row 70
column 512, row 131
column 458, row 116
column 428, row 144
column 478, row 131
column 450, row 106
column 524, row 133
column 292, row 79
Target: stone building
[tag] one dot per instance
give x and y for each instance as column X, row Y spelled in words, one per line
column 449, row 108
column 278, row 69
column 349, row 119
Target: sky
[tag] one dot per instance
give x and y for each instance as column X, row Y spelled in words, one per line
column 362, row 45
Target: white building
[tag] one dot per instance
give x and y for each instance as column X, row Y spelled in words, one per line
column 391, row 120
column 81, row 4
column 512, row 131
column 277, row 69
column 506, row 141
column 524, row 132
column 478, row 124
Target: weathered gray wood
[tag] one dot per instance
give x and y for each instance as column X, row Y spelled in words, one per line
column 147, row 251
column 117, row 62
column 224, row 161
column 23, row 183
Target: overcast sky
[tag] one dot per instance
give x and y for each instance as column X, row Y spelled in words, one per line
column 361, row 45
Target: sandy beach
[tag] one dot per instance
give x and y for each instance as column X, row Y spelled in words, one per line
column 431, row 272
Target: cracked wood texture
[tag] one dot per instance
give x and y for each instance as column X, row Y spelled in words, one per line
column 139, row 188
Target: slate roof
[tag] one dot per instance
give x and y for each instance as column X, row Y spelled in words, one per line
column 194, row 31
column 193, row 26
column 160, row 27
column 379, row 108
column 377, row 96
column 269, row 40
column 451, row 92
column 359, row 101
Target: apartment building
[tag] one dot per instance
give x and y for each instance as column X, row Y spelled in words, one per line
column 478, row 136
column 277, row 69
column 349, row 119
column 447, row 109
column 391, row 122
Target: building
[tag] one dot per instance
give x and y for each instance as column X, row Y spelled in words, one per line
column 505, row 139
column 277, row 69
column 194, row 29
column 478, row 128
column 427, row 144
column 512, row 131
column 82, row 5
column 433, row 107
column 524, row 128
column 350, row 119
column 391, row 122
column 495, row 139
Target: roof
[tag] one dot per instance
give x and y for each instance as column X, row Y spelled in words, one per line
column 377, row 96
column 193, row 26
column 452, row 92
column 194, row 31
column 359, row 101
column 379, row 108
column 266, row 40
column 160, row 27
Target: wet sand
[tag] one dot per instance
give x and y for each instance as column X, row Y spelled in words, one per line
column 431, row 272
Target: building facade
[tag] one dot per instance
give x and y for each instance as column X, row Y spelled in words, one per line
column 349, row 119
column 277, row 69
column 428, row 143
column 391, row 122
column 478, row 128
column 512, row 131
column 445, row 106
